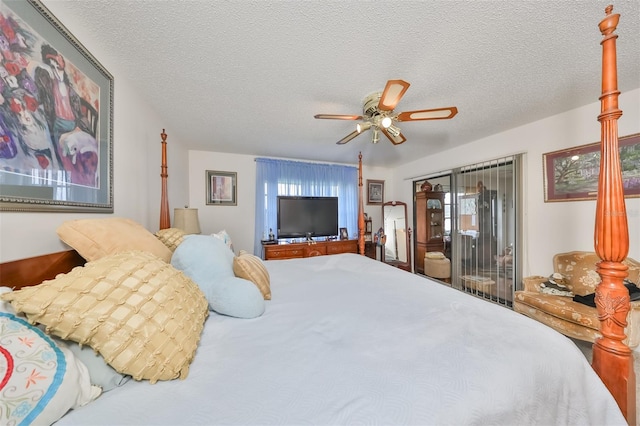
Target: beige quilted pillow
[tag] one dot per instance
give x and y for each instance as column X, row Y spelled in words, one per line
column 251, row 268
column 171, row 237
column 95, row 238
column 139, row 312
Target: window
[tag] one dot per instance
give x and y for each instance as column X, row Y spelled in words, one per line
column 283, row 177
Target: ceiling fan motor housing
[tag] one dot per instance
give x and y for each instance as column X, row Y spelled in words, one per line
column 370, row 105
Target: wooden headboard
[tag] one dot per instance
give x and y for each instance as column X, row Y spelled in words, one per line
column 34, row 270
column 612, row 359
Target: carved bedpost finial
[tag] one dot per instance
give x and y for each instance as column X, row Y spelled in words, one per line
column 165, row 218
column 610, row 22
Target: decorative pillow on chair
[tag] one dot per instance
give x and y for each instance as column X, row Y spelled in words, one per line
column 96, row 238
column 250, row 267
column 140, row 313
column 171, row 237
column 39, row 381
column 209, row 263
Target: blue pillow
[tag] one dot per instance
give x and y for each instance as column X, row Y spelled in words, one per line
column 209, row 263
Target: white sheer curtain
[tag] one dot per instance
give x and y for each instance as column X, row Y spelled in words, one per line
column 284, row 177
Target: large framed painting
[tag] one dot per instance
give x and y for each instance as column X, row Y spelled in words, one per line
column 221, row 188
column 56, row 116
column 572, row 174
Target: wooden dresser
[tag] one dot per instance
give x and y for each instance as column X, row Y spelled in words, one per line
column 305, row 249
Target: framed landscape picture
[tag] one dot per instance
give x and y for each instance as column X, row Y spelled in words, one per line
column 572, row 174
column 56, row 118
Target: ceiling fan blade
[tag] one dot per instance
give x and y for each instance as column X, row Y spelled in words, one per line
column 337, row 117
column 428, row 114
column 393, row 92
column 347, row 138
column 396, row 140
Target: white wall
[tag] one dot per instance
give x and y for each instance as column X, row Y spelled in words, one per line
column 390, row 194
column 136, row 158
column 239, row 220
column 549, row 227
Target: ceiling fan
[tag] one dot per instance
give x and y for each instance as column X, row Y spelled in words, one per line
column 378, row 114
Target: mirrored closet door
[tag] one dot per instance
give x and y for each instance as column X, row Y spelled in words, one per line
column 481, row 222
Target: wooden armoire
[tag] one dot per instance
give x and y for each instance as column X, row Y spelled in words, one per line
column 429, row 232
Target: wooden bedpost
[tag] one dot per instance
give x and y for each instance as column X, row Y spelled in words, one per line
column 165, row 219
column 360, row 208
column 612, row 359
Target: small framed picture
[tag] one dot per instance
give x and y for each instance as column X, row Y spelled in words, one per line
column 221, row 188
column 344, row 235
column 375, row 191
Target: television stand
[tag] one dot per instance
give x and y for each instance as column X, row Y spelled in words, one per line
column 308, row 249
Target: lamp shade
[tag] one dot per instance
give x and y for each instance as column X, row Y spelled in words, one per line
column 361, row 127
column 187, row 220
column 376, row 136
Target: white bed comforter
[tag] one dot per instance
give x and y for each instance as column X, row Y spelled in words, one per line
column 348, row 340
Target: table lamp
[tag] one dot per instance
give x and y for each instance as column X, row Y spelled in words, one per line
column 187, row 220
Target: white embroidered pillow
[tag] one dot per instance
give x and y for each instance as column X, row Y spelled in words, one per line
column 39, row 380
column 225, row 238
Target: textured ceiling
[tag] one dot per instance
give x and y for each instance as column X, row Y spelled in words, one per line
column 248, row 76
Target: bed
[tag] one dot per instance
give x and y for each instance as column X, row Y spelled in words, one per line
column 337, row 339
column 338, row 345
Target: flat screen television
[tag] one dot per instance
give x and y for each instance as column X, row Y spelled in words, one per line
column 302, row 216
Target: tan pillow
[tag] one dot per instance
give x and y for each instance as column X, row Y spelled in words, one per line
column 251, row 268
column 171, row 237
column 96, row 238
column 139, row 312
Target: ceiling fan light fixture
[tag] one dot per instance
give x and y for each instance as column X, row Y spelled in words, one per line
column 362, row 127
column 393, row 131
column 376, row 136
column 386, row 122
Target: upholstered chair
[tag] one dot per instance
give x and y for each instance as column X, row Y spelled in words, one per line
column 571, row 318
